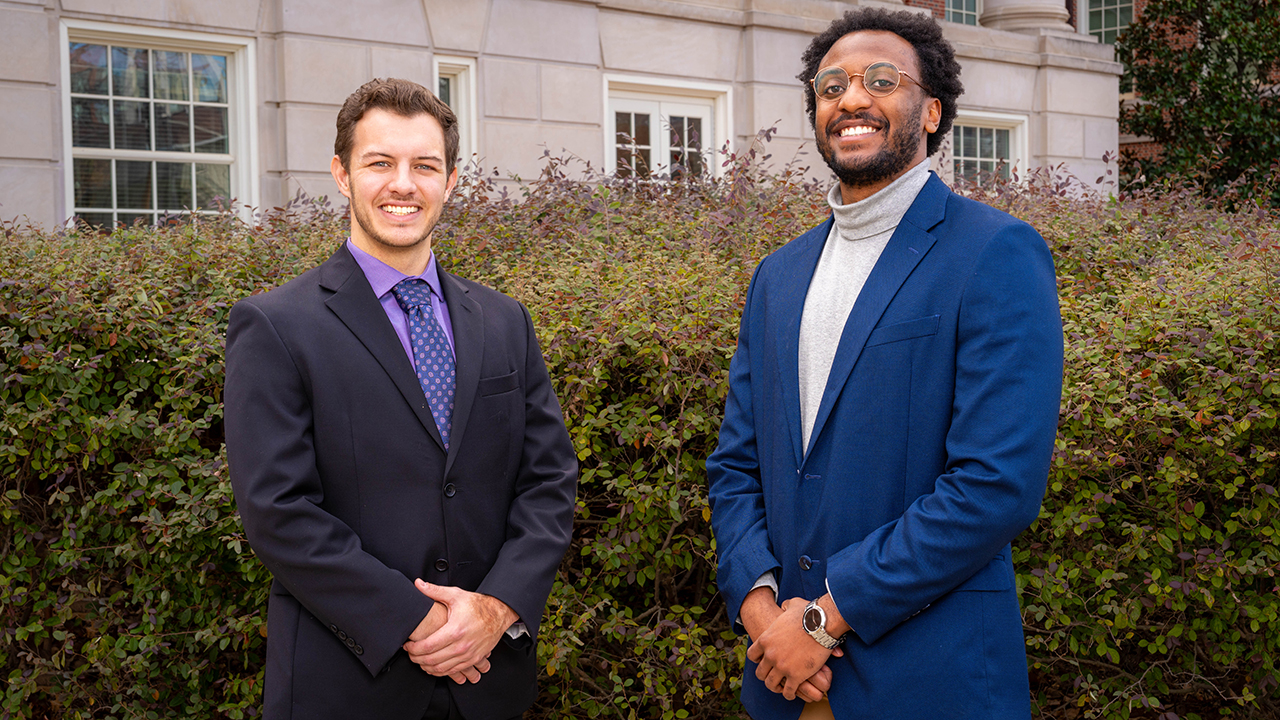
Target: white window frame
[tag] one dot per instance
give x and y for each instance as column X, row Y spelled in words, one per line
column 680, row 94
column 462, row 71
column 1019, row 152
column 977, row 15
column 242, row 91
column 1085, row 13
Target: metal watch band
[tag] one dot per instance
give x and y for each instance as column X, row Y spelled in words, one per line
column 818, row 633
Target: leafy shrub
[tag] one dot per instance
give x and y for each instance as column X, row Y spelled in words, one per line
column 1148, row 584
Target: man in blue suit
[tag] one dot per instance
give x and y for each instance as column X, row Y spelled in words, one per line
column 892, row 409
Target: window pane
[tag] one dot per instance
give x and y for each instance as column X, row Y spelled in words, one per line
column 641, row 135
column 88, row 68
column 694, row 134
column 969, row 148
column 988, row 166
column 210, row 129
column 623, row 166
column 971, row 169
column 131, row 219
column 129, row 72
column 678, row 133
column 971, row 6
column 1002, row 144
column 622, row 128
column 90, row 123
column 986, row 143
column 212, row 181
column 1125, row 16
column 210, row 77
column 133, row 125
column 93, row 183
column 173, row 127
column 171, row 75
column 133, row 184
column 445, row 91
column 98, row 220
column 173, row 186
column 642, row 159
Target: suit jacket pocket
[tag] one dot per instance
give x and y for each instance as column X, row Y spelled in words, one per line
column 920, row 327
column 498, row 385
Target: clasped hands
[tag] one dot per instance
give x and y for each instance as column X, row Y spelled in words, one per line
column 787, row 659
column 458, row 633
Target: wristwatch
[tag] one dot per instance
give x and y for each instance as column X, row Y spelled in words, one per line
column 814, row 622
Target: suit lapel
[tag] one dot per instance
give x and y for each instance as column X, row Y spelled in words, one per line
column 467, row 318
column 791, row 291
column 906, row 248
column 358, row 308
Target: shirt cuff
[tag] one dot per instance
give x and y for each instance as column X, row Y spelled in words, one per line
column 517, row 630
column 765, row 580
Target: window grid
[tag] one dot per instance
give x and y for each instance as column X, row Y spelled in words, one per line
column 124, row 170
column 1108, row 18
column 686, row 146
column 964, row 12
column 633, row 144
column 980, row 153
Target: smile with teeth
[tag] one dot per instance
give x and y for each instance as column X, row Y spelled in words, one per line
column 401, row 210
column 855, row 130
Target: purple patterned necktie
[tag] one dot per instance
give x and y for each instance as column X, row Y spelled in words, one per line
column 432, row 358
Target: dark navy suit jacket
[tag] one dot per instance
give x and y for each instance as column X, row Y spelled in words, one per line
column 929, row 454
column 347, row 494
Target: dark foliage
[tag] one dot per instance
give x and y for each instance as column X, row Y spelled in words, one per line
column 1207, row 78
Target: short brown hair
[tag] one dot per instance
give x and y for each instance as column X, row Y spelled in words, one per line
column 402, row 97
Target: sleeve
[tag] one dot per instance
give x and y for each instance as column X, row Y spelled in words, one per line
column 278, row 490
column 540, row 521
column 733, row 474
column 1008, row 387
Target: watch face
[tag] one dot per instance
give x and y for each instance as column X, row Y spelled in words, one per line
column 813, row 619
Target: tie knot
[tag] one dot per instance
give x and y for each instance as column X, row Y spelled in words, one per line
column 412, row 293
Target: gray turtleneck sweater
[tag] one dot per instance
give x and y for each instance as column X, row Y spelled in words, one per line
column 858, row 236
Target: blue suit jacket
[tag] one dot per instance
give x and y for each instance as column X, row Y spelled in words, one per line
column 929, row 454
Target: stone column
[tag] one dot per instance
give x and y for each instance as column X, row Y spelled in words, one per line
column 1026, row 16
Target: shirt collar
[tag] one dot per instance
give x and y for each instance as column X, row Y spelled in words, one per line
column 382, row 277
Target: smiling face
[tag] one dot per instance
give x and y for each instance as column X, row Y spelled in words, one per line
column 871, row 141
column 397, row 185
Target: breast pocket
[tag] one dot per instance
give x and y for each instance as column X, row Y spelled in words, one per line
column 498, row 385
column 907, row 330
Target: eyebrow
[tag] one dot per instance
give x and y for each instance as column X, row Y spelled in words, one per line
column 379, row 153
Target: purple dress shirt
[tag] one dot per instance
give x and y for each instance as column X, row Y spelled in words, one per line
column 382, row 277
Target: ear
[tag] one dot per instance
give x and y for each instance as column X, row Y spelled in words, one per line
column 453, row 180
column 933, row 115
column 340, row 176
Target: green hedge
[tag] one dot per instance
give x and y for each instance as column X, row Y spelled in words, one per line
column 1148, row 583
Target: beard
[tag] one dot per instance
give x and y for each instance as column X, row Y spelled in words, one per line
column 363, row 218
column 896, row 156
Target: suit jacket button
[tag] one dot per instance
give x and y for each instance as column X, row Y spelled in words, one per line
column 359, row 650
column 351, row 643
column 342, row 635
column 450, row 490
column 333, row 628
column 442, row 565
column 805, row 562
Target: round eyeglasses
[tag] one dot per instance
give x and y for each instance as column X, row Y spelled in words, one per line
column 880, row 79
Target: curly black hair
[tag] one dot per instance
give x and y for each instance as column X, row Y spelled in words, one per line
column 940, row 73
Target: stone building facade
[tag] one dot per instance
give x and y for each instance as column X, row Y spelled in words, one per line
column 118, row 110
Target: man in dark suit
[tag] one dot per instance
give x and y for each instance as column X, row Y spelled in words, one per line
column 397, row 453
column 892, row 409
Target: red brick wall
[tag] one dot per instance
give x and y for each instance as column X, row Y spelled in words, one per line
column 937, row 7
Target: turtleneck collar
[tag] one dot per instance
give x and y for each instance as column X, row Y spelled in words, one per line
column 882, row 211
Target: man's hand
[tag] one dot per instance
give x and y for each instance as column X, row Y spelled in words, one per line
column 785, row 654
column 435, row 619
column 461, row 645
column 758, row 613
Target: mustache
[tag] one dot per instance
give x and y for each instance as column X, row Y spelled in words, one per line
column 863, row 115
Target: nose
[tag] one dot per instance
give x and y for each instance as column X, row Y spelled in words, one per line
column 855, row 97
column 402, row 180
